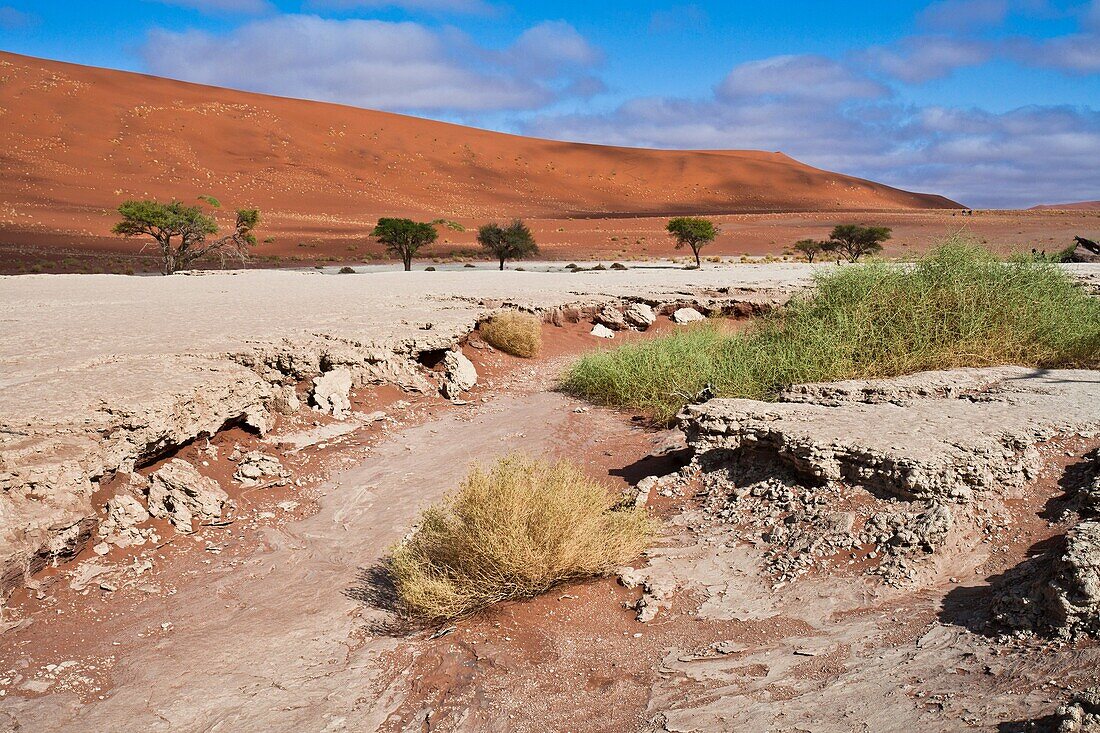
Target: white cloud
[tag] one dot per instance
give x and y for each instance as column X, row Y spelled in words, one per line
column 980, row 158
column 799, row 77
column 919, row 59
column 549, row 48
column 371, row 63
column 1078, row 53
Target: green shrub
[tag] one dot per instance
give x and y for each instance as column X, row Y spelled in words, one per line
column 956, row 307
column 512, row 532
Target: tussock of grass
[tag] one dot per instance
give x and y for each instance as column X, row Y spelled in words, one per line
column 514, row 332
column 956, row 307
column 513, row 532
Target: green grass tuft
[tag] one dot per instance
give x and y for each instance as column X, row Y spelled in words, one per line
column 956, row 307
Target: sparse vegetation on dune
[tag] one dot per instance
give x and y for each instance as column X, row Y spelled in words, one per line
column 956, row 307
column 513, row 332
column 512, row 532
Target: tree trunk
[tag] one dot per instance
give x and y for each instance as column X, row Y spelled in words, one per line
column 169, row 256
column 698, row 262
column 408, row 263
column 502, row 264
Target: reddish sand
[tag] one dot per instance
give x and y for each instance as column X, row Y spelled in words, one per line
column 1078, row 206
column 79, row 140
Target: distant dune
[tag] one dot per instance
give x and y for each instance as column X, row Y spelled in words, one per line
column 1078, row 206
column 79, row 139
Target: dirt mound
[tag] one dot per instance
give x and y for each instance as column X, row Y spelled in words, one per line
column 81, row 139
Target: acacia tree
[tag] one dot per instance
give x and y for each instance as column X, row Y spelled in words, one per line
column 404, row 237
column 811, row 248
column 853, row 241
column 513, row 242
column 693, row 232
column 181, row 231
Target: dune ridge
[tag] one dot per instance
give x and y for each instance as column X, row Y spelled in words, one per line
column 80, row 139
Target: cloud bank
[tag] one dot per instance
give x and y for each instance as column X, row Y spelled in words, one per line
column 401, row 66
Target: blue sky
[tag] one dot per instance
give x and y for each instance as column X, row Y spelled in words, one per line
column 991, row 102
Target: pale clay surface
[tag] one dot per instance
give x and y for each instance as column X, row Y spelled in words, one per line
column 98, row 370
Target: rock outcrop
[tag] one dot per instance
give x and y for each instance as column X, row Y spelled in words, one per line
column 639, row 316
column 331, row 392
column 1056, row 593
column 612, row 317
column 180, row 494
column 255, row 466
column 975, row 429
column 1081, row 713
column 459, row 374
column 124, row 513
column 687, row 315
column 602, row 331
column 901, row 453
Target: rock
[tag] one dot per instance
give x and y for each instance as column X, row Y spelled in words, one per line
column 687, row 315
column 1081, row 713
column 640, row 316
column 256, row 417
column 331, row 392
column 976, row 440
column 602, row 331
column 644, row 487
column 255, row 465
column 285, row 400
column 611, row 317
column 1056, row 593
column 179, row 493
column 459, row 374
column 124, row 513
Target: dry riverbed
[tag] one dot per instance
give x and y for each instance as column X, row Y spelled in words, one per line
column 272, row 617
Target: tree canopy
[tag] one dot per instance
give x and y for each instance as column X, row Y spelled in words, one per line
column 181, row 232
column 513, row 242
column 811, row 248
column 854, row 241
column 404, row 237
column 693, row 232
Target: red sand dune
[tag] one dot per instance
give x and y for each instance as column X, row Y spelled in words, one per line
column 79, row 140
column 1077, row 206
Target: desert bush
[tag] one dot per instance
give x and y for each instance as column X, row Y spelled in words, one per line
column 956, row 307
column 512, row 532
column 345, row 270
column 514, row 332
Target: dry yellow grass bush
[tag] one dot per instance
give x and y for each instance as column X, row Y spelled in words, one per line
column 514, row 332
column 512, row 532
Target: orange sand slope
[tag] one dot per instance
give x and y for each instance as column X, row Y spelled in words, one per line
column 78, row 140
column 1077, row 206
